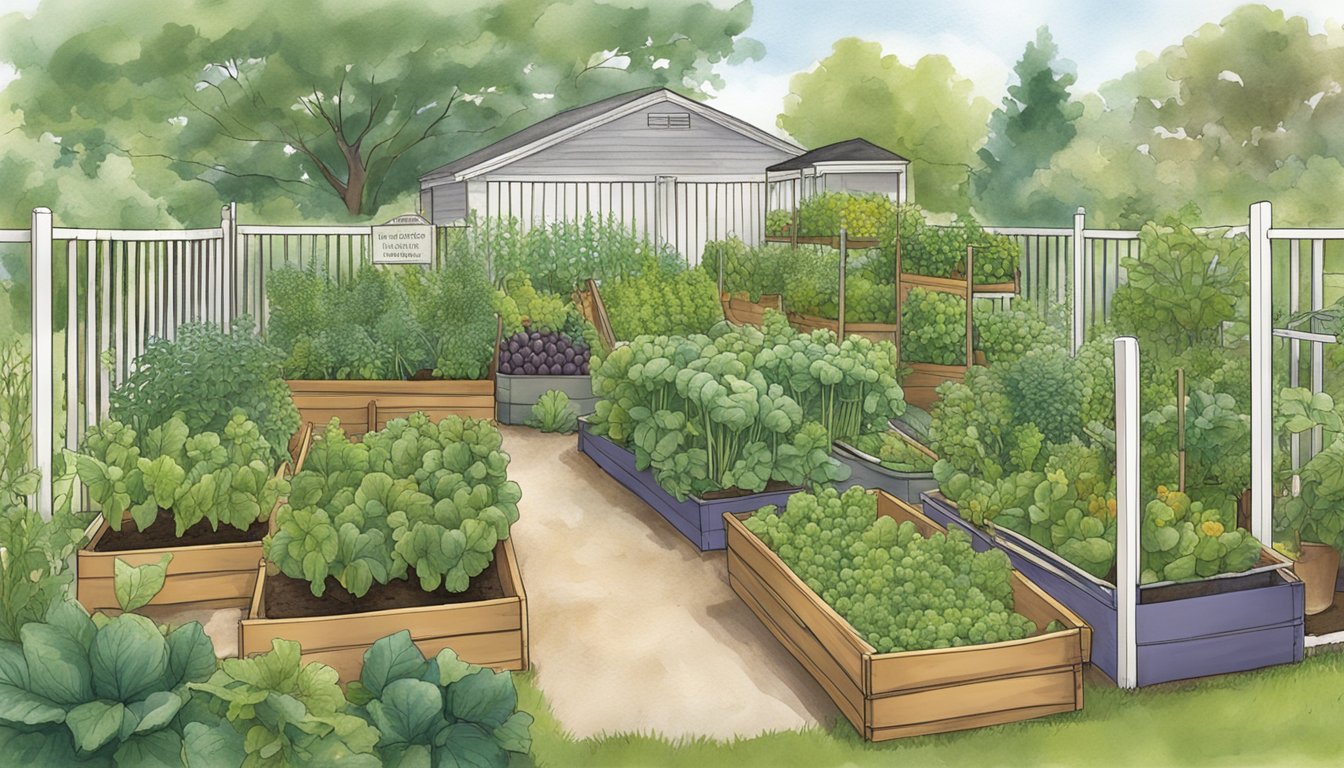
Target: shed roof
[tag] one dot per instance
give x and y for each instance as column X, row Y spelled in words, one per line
column 849, row 151
column 545, row 131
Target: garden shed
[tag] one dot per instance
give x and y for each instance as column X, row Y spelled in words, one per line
column 854, row 165
column 672, row 168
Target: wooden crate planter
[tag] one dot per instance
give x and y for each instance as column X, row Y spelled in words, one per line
column 739, row 309
column 867, row 471
column 892, row 695
column 515, row 394
column 364, row 406
column 1228, row 623
column 204, row 575
column 700, row 520
column 489, row 633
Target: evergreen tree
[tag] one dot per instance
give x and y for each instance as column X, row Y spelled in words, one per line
column 1037, row 120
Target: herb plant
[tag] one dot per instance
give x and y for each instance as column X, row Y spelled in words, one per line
column 658, row 304
column 890, row 582
column 17, row 479
column 933, row 327
column 204, row 375
column 894, row 452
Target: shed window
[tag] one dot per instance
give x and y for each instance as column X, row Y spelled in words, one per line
column 670, row 120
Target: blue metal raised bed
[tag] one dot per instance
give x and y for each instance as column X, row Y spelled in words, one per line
column 867, row 471
column 1228, row 623
column 700, row 520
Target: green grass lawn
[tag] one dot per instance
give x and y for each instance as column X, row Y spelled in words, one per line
column 1286, row 716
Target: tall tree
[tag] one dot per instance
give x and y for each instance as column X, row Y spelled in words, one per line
column 335, row 106
column 1246, row 109
column 1036, row 120
column 925, row 112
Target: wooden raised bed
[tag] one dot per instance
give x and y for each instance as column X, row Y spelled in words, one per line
column 365, row 405
column 700, row 520
column 892, row 695
column 488, row 633
column 739, row 309
column 206, row 575
column 1227, row 623
column 515, row 394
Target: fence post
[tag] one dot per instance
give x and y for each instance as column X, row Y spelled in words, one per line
column 1262, row 376
column 43, row 372
column 1127, row 508
column 228, row 218
column 1079, row 251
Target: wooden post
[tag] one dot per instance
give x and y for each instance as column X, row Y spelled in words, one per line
column 1127, row 509
column 793, row 230
column 844, row 260
column 1262, row 376
column 1180, row 429
column 970, row 301
column 898, row 287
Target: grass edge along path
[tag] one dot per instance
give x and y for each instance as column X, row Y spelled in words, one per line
column 1282, row 716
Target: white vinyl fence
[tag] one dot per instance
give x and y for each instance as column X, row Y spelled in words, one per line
column 123, row 287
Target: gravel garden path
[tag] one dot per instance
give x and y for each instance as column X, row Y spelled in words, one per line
column 632, row 629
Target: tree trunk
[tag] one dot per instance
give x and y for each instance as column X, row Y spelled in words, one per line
column 354, row 185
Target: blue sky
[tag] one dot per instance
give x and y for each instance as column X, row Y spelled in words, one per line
column 983, row 39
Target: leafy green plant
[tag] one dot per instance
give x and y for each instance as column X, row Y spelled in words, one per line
column 1181, row 539
column 33, row 563
column 1006, row 335
column 135, row 585
column 560, row 256
column 359, row 328
column 1316, row 513
column 17, row 479
column 658, row 304
column 457, row 312
column 552, row 413
column 273, row 711
column 1185, row 286
column 226, row 478
column 894, row 452
column 438, row 711
column 901, row 590
column 434, row 498
column 1044, row 390
column 522, row 306
column 933, row 327
column 204, row 375
column 103, row 692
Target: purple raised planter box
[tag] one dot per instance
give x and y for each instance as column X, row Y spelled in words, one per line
column 1192, row 629
column 700, row 520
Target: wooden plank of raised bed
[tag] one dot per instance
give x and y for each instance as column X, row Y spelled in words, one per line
column 839, row 639
column 484, row 650
column 968, row 722
column 987, row 698
column 800, row 643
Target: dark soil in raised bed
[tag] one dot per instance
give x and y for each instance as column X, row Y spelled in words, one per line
column 163, row 533
column 774, row 486
column 288, row 598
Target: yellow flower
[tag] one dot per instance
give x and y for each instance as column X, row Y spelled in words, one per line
column 1212, row 528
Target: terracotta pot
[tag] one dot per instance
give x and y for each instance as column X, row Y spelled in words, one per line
column 1317, row 568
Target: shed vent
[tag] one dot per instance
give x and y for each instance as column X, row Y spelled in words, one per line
column 670, row 120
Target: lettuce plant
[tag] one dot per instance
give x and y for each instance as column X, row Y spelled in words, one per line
column 435, row 498
column 439, row 711
column 552, row 413
column 108, row 692
column 225, row 477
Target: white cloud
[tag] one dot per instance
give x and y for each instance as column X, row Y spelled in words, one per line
column 753, row 96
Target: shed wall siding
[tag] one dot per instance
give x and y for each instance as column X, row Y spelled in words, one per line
column 885, row 183
column 627, row 146
column 447, row 202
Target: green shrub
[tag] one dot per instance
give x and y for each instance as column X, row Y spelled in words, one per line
column 660, row 304
column 457, row 312
column 205, row 374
